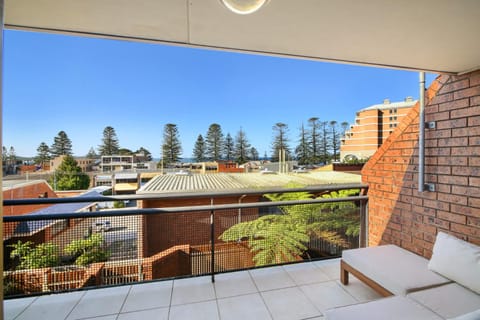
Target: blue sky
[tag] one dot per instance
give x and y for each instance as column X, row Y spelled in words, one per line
column 81, row 85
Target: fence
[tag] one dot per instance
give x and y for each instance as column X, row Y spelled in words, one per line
column 60, row 250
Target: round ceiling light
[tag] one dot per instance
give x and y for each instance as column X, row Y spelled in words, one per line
column 243, row 6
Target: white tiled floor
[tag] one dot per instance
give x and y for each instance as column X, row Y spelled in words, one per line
column 293, row 292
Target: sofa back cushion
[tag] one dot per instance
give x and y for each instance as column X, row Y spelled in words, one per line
column 456, row 260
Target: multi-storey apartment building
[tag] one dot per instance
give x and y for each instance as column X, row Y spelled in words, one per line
column 86, row 164
column 372, row 127
column 116, row 163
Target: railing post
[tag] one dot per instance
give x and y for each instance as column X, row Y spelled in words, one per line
column 212, row 241
column 363, row 223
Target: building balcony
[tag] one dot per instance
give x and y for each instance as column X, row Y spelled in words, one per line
column 172, row 263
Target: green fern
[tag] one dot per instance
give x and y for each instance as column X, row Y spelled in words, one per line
column 282, row 238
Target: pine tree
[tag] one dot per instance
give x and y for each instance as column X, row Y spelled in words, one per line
column 92, row 154
column 125, row 152
column 110, row 144
column 242, row 147
column 280, row 141
column 229, row 147
column 344, row 126
column 254, row 154
column 4, row 154
column 199, row 149
column 334, row 139
column 43, row 154
column 314, row 139
column 147, row 155
column 324, row 147
column 69, row 176
column 62, row 145
column 214, row 142
column 12, row 156
column 302, row 151
column 171, row 147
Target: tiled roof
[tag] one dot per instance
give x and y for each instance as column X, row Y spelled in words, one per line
column 235, row 181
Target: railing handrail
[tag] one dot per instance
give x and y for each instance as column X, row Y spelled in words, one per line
column 182, row 195
column 129, row 212
column 134, row 235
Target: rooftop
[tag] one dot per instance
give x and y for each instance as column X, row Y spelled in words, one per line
column 13, row 184
column 297, row 291
column 408, row 103
column 241, row 181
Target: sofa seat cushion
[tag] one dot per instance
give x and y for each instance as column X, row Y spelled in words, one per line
column 474, row 315
column 450, row 300
column 392, row 308
column 396, row 269
column 466, row 257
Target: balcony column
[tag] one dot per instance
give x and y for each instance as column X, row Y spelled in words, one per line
column 2, row 20
column 421, row 134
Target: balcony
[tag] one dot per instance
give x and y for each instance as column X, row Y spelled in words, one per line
column 295, row 291
column 199, row 268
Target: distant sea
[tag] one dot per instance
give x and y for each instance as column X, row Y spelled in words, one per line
column 181, row 160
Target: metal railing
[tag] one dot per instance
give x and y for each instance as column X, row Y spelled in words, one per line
column 159, row 237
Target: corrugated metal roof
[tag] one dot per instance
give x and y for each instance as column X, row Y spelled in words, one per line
column 234, row 181
column 33, row 226
column 126, row 175
column 13, row 184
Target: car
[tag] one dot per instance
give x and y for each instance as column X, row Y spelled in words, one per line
column 267, row 171
column 101, row 226
column 301, row 170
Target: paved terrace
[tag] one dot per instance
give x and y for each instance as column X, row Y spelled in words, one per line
column 298, row 291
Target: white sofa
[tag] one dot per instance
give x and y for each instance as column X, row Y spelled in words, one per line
column 445, row 287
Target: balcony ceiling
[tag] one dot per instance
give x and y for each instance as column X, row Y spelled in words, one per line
column 430, row 35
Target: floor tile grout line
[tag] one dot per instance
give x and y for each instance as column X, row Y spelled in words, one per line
column 253, row 280
column 350, row 294
column 171, row 298
column 216, row 298
column 260, row 294
column 24, row 309
column 76, row 304
column 123, row 303
column 310, row 300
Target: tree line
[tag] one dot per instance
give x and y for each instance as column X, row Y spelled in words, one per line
column 62, row 145
column 317, row 142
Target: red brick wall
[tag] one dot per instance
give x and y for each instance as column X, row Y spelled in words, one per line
column 29, row 190
column 401, row 215
column 163, row 231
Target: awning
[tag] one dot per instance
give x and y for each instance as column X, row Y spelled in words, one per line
column 126, row 186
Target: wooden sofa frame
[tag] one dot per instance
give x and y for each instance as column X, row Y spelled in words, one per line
column 345, row 269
